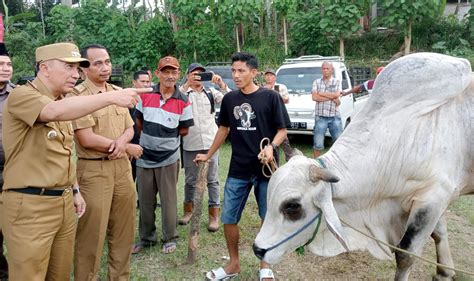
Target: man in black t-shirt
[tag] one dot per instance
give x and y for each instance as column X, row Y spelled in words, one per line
column 248, row 115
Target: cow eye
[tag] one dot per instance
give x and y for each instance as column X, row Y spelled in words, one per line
column 292, row 210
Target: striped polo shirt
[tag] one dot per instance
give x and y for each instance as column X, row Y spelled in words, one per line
column 161, row 121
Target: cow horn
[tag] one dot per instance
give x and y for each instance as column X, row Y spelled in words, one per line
column 316, row 174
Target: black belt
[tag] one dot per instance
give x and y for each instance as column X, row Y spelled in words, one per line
column 42, row 191
column 95, row 159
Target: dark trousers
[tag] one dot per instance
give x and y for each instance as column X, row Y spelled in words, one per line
column 162, row 181
column 3, row 260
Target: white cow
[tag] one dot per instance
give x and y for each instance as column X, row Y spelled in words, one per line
column 392, row 173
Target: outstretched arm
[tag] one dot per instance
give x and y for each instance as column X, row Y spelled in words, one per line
column 76, row 107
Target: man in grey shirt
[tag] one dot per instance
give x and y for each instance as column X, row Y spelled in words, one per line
column 199, row 140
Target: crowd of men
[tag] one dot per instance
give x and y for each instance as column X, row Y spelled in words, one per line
column 56, row 213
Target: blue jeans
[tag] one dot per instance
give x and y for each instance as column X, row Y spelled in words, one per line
column 236, row 193
column 321, row 124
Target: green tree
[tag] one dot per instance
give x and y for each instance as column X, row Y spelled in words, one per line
column 154, row 39
column 284, row 8
column 340, row 19
column 198, row 35
column 406, row 13
column 60, row 24
column 307, row 37
column 237, row 13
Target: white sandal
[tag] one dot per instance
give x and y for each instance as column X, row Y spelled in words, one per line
column 266, row 273
column 219, row 274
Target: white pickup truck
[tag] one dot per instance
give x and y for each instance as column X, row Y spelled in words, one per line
column 298, row 75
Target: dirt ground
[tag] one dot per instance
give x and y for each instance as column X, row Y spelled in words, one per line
column 362, row 266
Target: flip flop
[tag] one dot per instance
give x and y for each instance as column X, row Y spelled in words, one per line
column 219, row 274
column 139, row 247
column 266, row 273
column 169, row 247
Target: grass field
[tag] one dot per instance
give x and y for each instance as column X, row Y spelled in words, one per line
column 152, row 264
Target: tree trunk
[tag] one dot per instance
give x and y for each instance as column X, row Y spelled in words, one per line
column 42, row 17
column 174, row 23
column 5, row 25
column 145, row 15
column 193, row 240
column 237, row 37
column 285, row 39
column 407, row 39
column 341, row 47
column 242, row 33
column 261, row 25
column 268, row 12
column 275, row 22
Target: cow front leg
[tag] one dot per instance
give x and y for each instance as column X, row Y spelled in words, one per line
column 420, row 225
column 443, row 254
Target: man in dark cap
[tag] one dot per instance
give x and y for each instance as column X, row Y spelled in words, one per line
column 199, row 140
column 6, row 72
column 270, row 83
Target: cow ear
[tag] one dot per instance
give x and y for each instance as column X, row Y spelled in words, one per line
column 323, row 200
column 316, row 174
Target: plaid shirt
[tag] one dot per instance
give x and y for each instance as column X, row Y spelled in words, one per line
column 326, row 108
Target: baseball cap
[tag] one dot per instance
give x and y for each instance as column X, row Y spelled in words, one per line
column 195, row 66
column 379, row 69
column 66, row 52
column 168, row 61
column 270, row 70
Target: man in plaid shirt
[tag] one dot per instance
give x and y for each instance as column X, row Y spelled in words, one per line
column 326, row 92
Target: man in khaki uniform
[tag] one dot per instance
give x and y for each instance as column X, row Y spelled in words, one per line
column 104, row 174
column 6, row 72
column 40, row 179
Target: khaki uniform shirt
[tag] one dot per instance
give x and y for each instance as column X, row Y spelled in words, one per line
column 37, row 154
column 109, row 122
column 3, row 99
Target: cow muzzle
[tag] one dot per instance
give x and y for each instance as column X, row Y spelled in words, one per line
column 259, row 252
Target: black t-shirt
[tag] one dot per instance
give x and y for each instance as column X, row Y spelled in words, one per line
column 251, row 118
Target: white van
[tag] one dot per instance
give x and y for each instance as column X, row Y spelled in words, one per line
column 298, row 75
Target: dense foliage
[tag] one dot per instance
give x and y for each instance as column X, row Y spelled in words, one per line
column 211, row 30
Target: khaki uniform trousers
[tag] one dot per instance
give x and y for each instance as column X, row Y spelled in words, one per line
column 109, row 192
column 39, row 233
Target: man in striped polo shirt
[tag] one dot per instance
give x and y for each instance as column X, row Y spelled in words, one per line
column 161, row 118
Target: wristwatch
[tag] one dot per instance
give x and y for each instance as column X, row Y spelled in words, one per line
column 275, row 147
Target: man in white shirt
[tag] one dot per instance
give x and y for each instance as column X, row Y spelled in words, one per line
column 199, row 140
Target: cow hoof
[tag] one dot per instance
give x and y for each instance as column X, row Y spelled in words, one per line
column 441, row 277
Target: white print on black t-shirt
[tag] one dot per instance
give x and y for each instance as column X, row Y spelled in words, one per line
column 245, row 114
